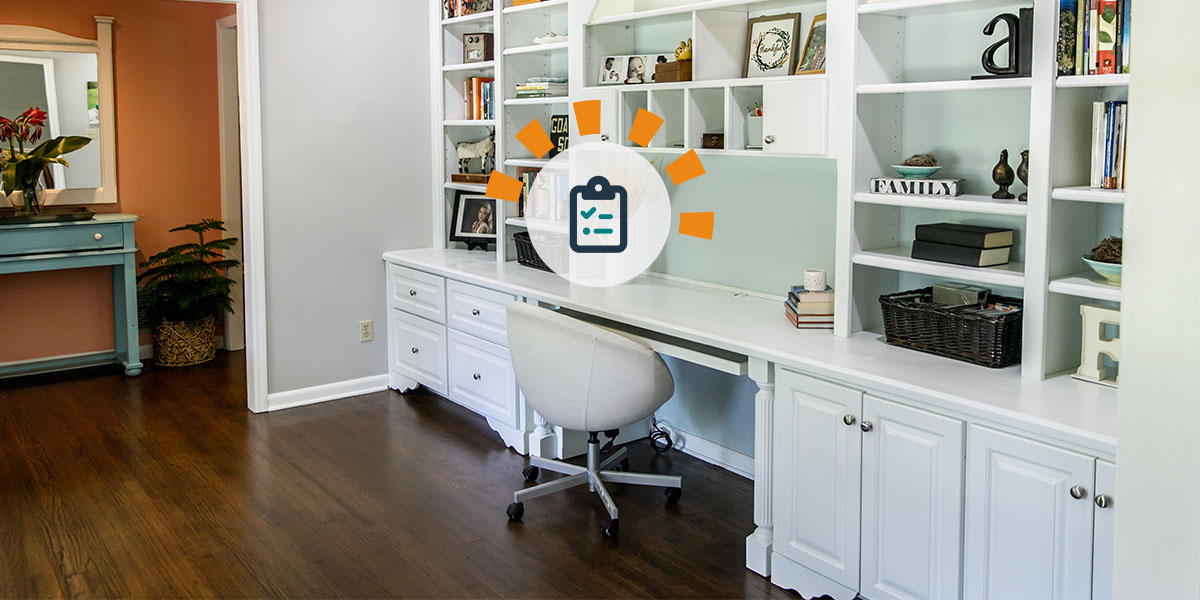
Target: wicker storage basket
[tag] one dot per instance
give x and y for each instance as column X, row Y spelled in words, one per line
column 526, row 253
column 912, row 320
column 185, row 343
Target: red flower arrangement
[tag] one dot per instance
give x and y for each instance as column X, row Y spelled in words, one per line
column 21, row 170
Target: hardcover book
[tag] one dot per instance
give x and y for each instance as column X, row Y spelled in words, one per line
column 811, row 308
column 798, row 324
column 1106, row 37
column 968, row 236
column 1067, row 11
column 945, row 188
column 800, row 294
column 960, row 255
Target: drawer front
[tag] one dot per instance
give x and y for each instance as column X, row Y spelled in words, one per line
column 416, row 292
column 482, row 379
column 418, row 349
column 73, row 238
column 478, row 311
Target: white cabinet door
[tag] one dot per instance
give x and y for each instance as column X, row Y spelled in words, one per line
column 482, row 379
column 1102, row 537
column 1028, row 535
column 794, row 116
column 912, row 483
column 417, row 348
column 608, row 118
column 817, row 461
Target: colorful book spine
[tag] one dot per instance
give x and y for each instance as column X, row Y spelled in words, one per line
column 1110, row 122
column 1067, row 10
column 1106, row 37
column 1097, row 177
column 1080, row 37
column 1126, row 24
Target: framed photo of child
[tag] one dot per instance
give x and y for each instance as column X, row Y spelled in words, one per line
column 474, row 219
column 813, row 58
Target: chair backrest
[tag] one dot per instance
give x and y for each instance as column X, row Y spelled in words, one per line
column 581, row 376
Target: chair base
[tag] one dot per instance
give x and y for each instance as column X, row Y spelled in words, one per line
column 594, row 476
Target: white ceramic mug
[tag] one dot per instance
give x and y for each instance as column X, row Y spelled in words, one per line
column 814, row 280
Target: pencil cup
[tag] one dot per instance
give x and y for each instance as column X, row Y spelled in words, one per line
column 814, row 280
column 754, row 135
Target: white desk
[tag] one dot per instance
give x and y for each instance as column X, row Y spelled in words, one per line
column 1060, row 410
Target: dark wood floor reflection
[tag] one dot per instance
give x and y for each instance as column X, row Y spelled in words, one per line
column 166, row 486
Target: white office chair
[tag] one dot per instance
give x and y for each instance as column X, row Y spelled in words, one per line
column 584, row 377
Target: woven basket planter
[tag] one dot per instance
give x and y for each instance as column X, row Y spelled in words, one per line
column 185, row 343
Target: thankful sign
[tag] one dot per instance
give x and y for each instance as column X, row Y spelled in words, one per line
column 771, row 45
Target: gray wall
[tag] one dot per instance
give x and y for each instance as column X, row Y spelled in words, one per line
column 346, row 175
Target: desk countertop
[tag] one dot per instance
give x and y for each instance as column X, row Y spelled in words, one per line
column 1061, row 408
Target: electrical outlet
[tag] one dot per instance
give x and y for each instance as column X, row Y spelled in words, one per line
column 366, row 330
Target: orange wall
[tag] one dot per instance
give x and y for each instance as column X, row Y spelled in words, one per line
column 165, row 59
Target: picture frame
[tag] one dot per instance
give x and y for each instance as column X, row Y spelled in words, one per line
column 812, row 60
column 771, row 43
column 466, row 226
column 612, row 69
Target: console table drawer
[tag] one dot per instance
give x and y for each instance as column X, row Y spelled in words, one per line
column 49, row 240
column 417, row 292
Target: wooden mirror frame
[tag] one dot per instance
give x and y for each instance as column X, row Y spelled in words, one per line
column 21, row 37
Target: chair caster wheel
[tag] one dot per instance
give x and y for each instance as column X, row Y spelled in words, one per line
column 531, row 473
column 515, row 511
column 611, row 527
column 672, row 495
column 623, row 465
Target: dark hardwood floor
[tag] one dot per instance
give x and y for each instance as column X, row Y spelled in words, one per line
column 166, row 486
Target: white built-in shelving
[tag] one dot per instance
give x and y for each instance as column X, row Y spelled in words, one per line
column 966, row 203
column 1083, row 193
column 553, row 48
column 899, row 258
column 1086, row 285
column 964, row 85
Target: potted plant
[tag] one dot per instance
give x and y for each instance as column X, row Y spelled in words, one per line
column 184, row 289
column 22, row 171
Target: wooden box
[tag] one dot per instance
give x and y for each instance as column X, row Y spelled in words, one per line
column 713, row 140
column 469, row 178
column 477, row 47
column 680, row 70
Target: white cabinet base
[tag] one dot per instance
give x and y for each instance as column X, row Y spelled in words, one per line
column 789, row 575
column 402, row 384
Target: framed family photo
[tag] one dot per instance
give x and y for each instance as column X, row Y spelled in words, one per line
column 474, row 218
column 812, row 60
column 771, row 43
column 630, row 70
column 612, row 70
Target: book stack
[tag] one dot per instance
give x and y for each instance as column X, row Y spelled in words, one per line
column 968, row 245
column 541, row 87
column 479, row 98
column 809, row 309
column 1093, row 37
column 1108, row 144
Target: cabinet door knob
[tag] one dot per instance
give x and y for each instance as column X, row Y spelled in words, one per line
column 414, row 350
column 475, row 312
column 477, row 376
column 98, row 236
column 1103, row 500
column 849, row 419
column 604, row 137
column 412, row 292
column 1078, row 492
column 867, row 426
column 770, row 139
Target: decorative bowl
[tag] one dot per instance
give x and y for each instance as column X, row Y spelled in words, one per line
column 1109, row 271
column 915, row 172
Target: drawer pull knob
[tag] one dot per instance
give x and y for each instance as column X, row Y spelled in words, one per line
column 867, row 426
column 849, row 419
column 475, row 312
column 414, row 350
column 604, row 137
column 412, row 292
column 1103, row 500
column 770, row 139
column 98, row 236
column 1078, row 492
column 477, row 376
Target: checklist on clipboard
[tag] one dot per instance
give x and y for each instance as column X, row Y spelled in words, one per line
column 599, row 217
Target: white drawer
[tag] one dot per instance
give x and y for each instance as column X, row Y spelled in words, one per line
column 417, row 349
column 482, row 379
column 416, row 292
column 477, row 311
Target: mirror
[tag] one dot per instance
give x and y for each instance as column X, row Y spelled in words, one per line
column 71, row 78
column 66, row 85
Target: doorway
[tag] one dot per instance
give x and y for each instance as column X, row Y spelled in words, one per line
column 231, row 172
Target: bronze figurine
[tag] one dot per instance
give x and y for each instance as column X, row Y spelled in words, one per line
column 1002, row 174
column 1023, row 175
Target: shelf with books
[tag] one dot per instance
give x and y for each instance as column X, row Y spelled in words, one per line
column 965, row 203
column 468, row 67
column 555, row 48
column 899, row 258
column 1092, row 81
column 1083, row 193
column 1086, row 285
column 536, row 163
column 912, row 8
column 963, row 85
column 473, row 18
column 543, row 7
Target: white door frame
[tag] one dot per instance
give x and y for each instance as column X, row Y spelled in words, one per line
column 253, row 249
column 231, row 181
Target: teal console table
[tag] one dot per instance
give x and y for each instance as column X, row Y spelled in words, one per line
column 106, row 240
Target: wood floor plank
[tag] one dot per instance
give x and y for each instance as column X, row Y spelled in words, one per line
column 166, row 486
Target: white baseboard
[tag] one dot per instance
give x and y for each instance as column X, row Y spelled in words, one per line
column 713, row 453
column 326, row 392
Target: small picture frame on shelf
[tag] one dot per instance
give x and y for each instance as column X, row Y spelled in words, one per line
column 612, row 69
column 638, row 70
column 474, row 219
column 771, row 45
column 812, row 60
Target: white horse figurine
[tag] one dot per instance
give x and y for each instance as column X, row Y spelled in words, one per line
column 484, row 150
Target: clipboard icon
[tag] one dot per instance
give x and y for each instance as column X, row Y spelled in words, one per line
column 599, row 217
